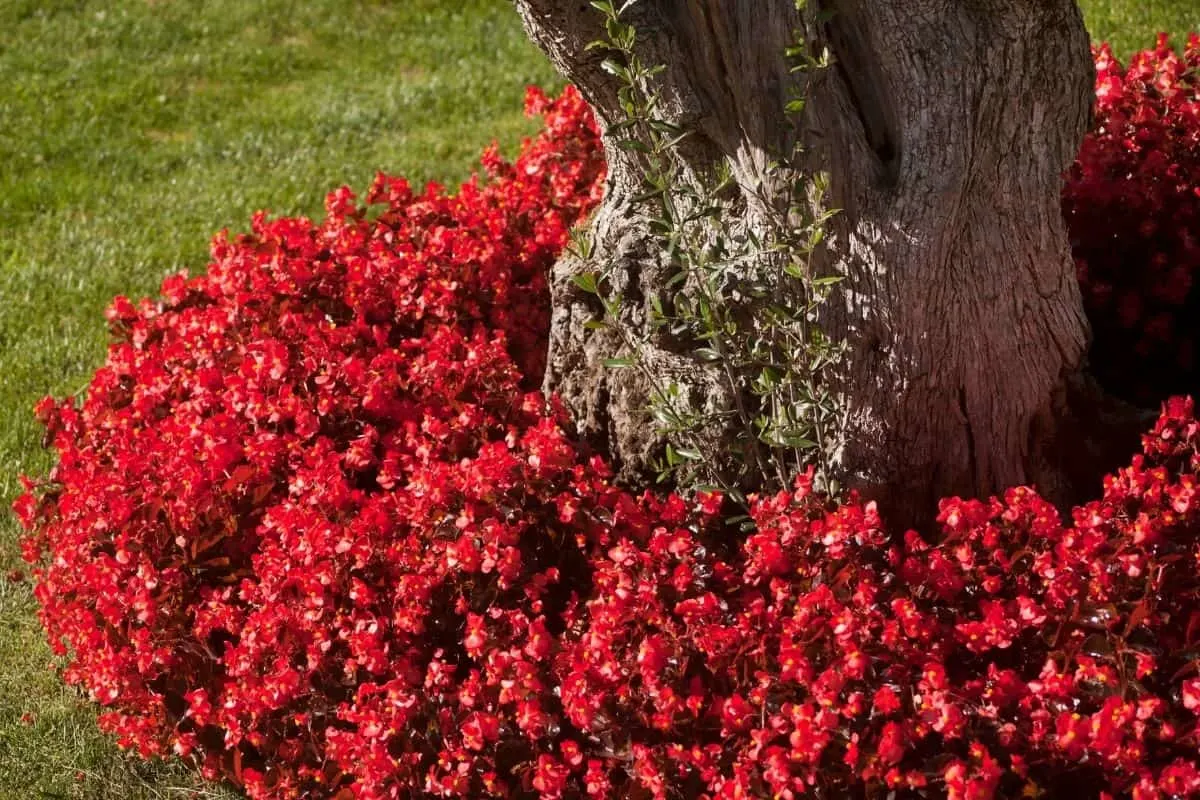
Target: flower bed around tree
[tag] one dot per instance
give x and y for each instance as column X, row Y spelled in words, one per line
column 314, row 528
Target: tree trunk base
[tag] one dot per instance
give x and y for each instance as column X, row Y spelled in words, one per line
column 944, row 129
column 1088, row 434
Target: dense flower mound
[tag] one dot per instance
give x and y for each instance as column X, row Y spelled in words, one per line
column 313, row 528
column 1015, row 655
column 1132, row 204
column 491, row 617
column 296, row 477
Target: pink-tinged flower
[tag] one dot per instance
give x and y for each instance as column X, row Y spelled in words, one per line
column 1191, row 694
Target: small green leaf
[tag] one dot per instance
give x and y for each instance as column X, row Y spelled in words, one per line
column 675, row 140
column 585, row 281
column 613, row 67
column 673, row 459
column 619, row 363
column 662, row 126
column 665, row 415
column 650, row 195
column 634, row 145
column 661, row 226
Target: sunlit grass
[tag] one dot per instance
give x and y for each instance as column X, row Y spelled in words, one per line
column 1130, row 25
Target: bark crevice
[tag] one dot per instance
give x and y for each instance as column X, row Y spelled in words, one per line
column 869, row 95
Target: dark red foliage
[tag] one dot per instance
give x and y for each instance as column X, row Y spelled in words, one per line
column 313, row 529
column 1132, row 205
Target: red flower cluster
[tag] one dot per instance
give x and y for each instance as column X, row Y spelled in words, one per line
column 309, row 497
column 1132, row 205
column 312, row 529
column 1017, row 657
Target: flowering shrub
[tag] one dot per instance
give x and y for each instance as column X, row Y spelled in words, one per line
column 297, row 478
column 1017, row 656
column 312, row 528
column 509, row 624
column 1132, row 204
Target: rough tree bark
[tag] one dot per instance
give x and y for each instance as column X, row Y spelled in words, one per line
column 945, row 126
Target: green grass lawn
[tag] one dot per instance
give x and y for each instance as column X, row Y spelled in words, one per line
column 1132, row 24
column 131, row 130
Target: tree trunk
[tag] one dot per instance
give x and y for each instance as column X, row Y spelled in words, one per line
column 944, row 126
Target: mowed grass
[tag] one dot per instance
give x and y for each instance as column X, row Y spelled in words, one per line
column 130, row 131
column 1130, row 25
